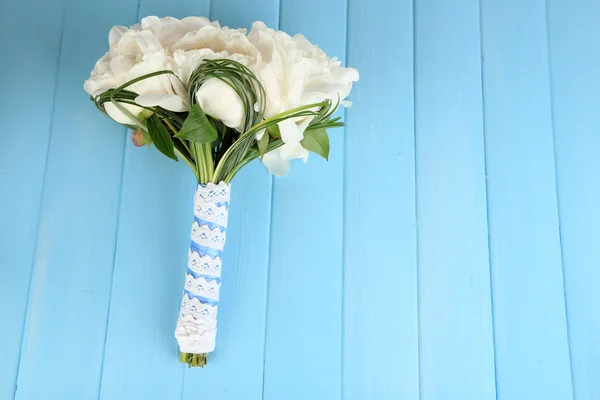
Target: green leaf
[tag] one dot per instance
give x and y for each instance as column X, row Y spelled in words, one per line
column 317, row 141
column 197, row 127
column 263, row 144
column 274, row 131
column 161, row 138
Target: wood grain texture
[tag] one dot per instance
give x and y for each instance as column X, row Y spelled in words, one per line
column 456, row 350
column 573, row 37
column 150, row 259
column 532, row 352
column 380, row 349
column 305, row 286
column 75, row 242
column 21, row 178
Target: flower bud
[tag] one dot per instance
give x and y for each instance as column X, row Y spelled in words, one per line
column 138, row 138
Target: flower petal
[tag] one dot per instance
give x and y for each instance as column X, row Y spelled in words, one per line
column 275, row 163
column 167, row 101
column 220, row 101
column 290, row 132
column 118, row 116
column 292, row 151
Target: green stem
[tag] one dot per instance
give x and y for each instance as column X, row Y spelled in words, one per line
column 210, row 169
column 188, row 162
column 265, row 123
column 193, row 360
column 200, row 162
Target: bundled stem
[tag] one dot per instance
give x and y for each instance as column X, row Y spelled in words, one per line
column 193, row 360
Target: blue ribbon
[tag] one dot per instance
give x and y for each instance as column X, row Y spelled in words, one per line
column 203, row 250
column 207, row 277
column 211, row 225
column 201, row 299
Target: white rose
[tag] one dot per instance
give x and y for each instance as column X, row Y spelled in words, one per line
column 295, row 73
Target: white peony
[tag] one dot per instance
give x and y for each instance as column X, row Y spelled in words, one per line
column 135, row 52
column 220, row 101
column 169, row 31
column 216, row 98
column 295, row 73
column 170, row 44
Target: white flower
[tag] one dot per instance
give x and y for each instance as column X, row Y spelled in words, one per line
column 232, row 41
column 220, row 101
column 135, row 52
column 216, row 98
column 295, row 73
column 169, row 31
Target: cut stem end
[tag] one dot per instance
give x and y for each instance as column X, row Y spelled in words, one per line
column 193, row 360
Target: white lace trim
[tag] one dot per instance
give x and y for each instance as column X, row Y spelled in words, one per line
column 211, row 213
column 204, row 265
column 204, row 236
column 197, row 344
column 197, row 323
column 193, row 308
column 211, row 193
column 203, row 287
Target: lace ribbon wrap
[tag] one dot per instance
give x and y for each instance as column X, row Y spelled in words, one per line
column 197, row 324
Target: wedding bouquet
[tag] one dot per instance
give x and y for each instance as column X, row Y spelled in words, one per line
column 217, row 98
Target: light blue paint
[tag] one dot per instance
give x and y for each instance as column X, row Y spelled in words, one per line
column 75, row 240
column 21, row 178
column 401, row 296
column 307, row 285
column 380, row 337
column 574, row 34
column 456, row 352
column 530, row 327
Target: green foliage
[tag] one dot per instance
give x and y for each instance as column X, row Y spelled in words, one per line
column 161, row 138
column 213, row 151
column 197, row 127
column 317, row 141
column 263, row 144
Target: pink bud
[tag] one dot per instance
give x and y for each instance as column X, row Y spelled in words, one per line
column 137, row 138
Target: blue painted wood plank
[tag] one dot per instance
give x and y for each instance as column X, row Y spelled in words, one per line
column 151, row 256
column 235, row 369
column 532, row 355
column 456, row 350
column 380, row 358
column 74, row 248
column 141, row 354
column 23, row 84
column 305, row 284
column 242, row 13
column 574, row 37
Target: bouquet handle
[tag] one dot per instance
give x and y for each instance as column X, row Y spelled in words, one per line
column 197, row 323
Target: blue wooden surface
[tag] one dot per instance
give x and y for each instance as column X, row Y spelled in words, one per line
column 448, row 250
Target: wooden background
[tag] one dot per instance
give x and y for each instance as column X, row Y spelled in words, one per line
column 450, row 249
